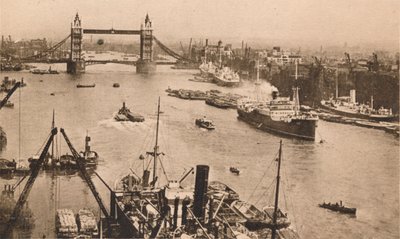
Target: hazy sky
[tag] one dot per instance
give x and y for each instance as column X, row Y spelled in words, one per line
column 317, row 21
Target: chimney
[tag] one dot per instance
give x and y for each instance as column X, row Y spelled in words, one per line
column 200, row 190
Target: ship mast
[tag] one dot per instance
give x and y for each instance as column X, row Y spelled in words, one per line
column 258, row 93
column 274, row 218
column 336, row 83
column 296, row 92
column 52, row 142
column 156, row 145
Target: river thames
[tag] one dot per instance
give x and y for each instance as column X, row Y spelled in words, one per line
column 357, row 165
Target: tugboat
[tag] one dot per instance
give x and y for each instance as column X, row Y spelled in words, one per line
column 89, row 155
column 338, row 207
column 85, row 86
column 205, row 123
column 124, row 114
column 116, row 85
column 9, row 104
column 234, row 170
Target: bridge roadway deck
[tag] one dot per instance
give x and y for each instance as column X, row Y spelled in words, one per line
column 111, row 31
column 92, row 62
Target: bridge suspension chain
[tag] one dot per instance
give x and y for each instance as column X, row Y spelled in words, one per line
column 169, row 51
column 49, row 50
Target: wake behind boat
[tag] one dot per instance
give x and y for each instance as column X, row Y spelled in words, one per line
column 125, row 114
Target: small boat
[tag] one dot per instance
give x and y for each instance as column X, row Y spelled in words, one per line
column 116, row 85
column 282, row 221
column 234, row 170
column 220, row 190
column 42, row 72
column 52, row 94
column 205, row 123
column 9, row 104
column 85, row 86
column 219, row 103
column 66, row 226
column 124, row 114
column 7, row 166
column 87, row 225
column 255, row 218
column 371, row 124
column 338, row 207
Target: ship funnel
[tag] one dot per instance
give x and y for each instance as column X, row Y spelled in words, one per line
column 200, row 190
column 185, row 203
column 146, row 177
column 353, row 96
column 275, row 94
column 87, row 143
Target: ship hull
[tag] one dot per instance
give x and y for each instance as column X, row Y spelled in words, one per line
column 361, row 116
column 299, row 128
column 128, row 228
column 221, row 82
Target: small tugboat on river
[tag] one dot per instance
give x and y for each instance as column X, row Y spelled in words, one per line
column 85, row 86
column 205, row 123
column 124, row 114
column 234, row 170
column 338, row 207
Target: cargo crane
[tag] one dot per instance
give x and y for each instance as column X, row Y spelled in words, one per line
column 35, row 168
column 82, row 168
column 348, row 61
column 4, row 101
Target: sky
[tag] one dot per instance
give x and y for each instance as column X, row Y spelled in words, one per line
column 320, row 22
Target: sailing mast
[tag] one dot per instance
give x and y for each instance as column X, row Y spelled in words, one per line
column 274, row 218
column 156, row 146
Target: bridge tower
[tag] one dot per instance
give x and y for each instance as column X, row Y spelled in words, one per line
column 75, row 63
column 146, row 64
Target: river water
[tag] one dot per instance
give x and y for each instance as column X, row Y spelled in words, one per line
column 356, row 165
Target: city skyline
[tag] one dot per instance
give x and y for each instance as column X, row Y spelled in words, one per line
column 310, row 23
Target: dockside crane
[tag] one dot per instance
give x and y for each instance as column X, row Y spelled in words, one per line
column 348, row 61
column 10, row 92
column 35, row 168
column 80, row 161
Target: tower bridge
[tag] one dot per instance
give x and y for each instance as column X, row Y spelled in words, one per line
column 145, row 64
column 76, row 63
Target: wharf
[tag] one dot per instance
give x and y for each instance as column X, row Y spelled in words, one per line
column 392, row 128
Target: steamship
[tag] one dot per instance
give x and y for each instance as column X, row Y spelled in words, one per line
column 143, row 207
column 348, row 107
column 280, row 115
